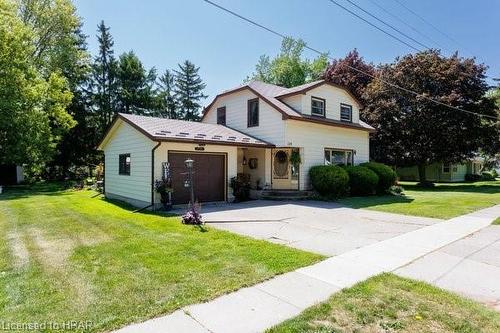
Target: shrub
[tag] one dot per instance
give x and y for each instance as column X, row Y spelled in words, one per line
column 386, row 176
column 494, row 173
column 362, row 180
column 487, row 175
column 329, row 180
column 470, row 177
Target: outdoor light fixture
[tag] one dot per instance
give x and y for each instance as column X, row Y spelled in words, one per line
column 244, row 160
column 189, row 163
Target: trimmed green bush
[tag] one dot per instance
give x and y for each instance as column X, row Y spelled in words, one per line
column 329, row 180
column 386, row 176
column 471, row 177
column 487, row 175
column 362, row 180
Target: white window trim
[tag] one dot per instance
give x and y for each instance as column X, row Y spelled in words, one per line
column 350, row 113
column 449, row 167
column 317, row 99
column 339, row 150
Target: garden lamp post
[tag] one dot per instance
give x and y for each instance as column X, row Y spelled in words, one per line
column 189, row 165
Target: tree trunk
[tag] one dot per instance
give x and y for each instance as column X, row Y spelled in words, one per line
column 421, row 173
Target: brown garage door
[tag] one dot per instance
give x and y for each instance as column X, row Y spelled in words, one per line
column 208, row 178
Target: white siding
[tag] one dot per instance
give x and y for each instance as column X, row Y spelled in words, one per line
column 295, row 102
column 271, row 125
column 161, row 155
column 127, row 140
column 314, row 138
column 333, row 96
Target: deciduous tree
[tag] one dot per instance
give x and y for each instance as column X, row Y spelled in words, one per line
column 415, row 131
column 288, row 68
column 343, row 72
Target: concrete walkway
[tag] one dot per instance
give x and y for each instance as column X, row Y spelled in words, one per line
column 259, row 307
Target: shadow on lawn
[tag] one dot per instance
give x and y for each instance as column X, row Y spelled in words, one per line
column 375, row 200
column 493, row 187
column 15, row 192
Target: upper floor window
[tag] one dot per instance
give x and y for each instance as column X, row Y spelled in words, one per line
column 446, row 168
column 253, row 112
column 345, row 112
column 221, row 115
column 124, row 164
column 338, row 157
column 318, row 106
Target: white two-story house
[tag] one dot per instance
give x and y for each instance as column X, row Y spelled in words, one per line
column 254, row 129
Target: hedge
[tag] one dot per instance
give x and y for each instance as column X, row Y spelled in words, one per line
column 386, row 176
column 329, row 180
column 362, row 180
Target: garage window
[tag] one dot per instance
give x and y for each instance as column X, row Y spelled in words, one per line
column 124, row 164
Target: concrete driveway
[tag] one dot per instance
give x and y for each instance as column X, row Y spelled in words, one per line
column 469, row 266
column 321, row 227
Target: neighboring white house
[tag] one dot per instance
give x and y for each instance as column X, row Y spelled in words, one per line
column 253, row 129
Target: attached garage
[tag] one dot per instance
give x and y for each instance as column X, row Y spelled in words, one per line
column 209, row 177
column 136, row 148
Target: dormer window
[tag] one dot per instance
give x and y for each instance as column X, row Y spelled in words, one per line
column 346, row 113
column 221, row 115
column 318, row 106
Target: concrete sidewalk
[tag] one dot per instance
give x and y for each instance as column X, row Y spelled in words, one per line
column 259, row 307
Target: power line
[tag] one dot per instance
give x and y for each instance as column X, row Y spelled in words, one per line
column 408, row 25
column 374, row 25
column 436, row 28
column 386, row 24
column 274, row 32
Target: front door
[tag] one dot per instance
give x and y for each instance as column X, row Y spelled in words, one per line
column 285, row 175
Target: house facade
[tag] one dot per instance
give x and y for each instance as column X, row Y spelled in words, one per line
column 254, row 129
column 443, row 172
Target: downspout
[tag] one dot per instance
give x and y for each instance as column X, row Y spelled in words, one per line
column 153, row 174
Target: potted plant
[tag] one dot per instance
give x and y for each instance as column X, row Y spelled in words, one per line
column 241, row 187
column 165, row 190
column 295, row 159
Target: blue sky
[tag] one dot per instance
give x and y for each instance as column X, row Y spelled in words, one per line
column 165, row 33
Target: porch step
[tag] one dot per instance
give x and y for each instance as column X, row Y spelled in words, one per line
column 286, row 195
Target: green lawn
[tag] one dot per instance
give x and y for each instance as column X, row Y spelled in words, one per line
column 67, row 255
column 445, row 200
column 497, row 221
column 388, row 303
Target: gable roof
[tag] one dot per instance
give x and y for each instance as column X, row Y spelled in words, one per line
column 163, row 129
column 272, row 94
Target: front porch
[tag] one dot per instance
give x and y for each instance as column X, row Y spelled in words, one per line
column 270, row 168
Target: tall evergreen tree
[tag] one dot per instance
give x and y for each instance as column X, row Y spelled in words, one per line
column 189, row 91
column 166, row 104
column 104, row 82
column 136, row 91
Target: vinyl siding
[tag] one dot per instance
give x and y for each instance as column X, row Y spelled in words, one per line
column 161, row 155
column 127, row 140
column 434, row 172
column 271, row 125
column 333, row 96
column 312, row 139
